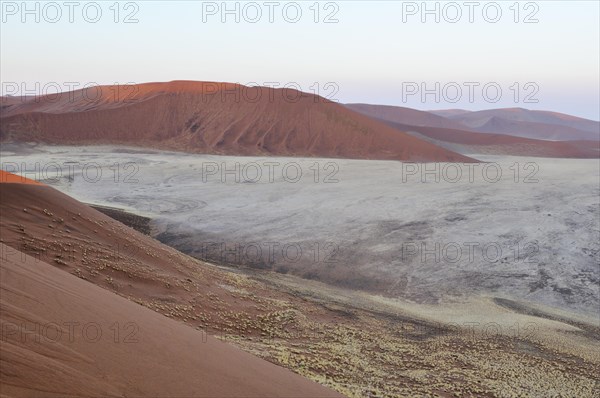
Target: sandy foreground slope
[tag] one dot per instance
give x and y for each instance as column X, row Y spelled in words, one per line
column 62, row 336
column 358, row 344
column 209, row 117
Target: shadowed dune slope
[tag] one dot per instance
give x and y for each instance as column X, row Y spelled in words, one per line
column 215, row 118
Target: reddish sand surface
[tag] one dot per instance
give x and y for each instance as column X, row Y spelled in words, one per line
column 64, row 336
column 91, row 342
column 6, row 177
column 215, row 118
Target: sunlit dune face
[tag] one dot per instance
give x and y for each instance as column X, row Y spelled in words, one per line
column 6, row 177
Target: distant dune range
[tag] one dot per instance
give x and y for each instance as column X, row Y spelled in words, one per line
column 464, row 141
column 464, row 127
column 525, row 123
column 531, row 122
column 212, row 118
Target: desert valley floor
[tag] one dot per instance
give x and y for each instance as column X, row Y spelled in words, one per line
column 381, row 226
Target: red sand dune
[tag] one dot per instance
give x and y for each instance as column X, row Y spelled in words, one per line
column 64, row 336
column 216, row 118
column 13, row 178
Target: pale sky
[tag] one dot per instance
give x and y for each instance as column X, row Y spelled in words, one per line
column 377, row 52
